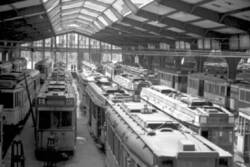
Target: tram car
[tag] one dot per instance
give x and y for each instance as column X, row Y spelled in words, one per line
column 140, row 135
column 5, row 67
column 176, row 79
column 132, row 84
column 60, row 65
column 98, row 93
column 14, row 96
column 19, row 64
column 232, row 95
column 243, row 134
column 112, row 69
column 142, row 72
column 210, row 86
column 88, row 66
column 209, row 120
column 56, row 119
column 45, row 68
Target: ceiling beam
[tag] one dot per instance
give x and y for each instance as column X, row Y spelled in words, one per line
column 161, row 31
column 27, row 11
column 207, row 14
column 6, row 2
column 189, row 28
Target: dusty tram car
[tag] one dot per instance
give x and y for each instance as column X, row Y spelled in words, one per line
column 243, row 134
column 139, row 135
column 209, row 120
column 131, row 83
column 174, row 79
column 112, row 69
column 14, row 96
column 45, row 68
column 142, row 72
column 210, row 86
column 88, row 66
column 97, row 95
column 56, row 118
column 5, row 67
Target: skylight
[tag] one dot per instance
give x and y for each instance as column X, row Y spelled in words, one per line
column 94, row 15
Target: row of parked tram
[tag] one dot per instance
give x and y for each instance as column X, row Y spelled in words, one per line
column 53, row 99
column 136, row 132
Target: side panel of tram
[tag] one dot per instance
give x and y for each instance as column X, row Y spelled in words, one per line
column 14, row 95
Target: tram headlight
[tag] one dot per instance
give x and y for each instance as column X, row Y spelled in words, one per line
column 231, row 120
column 203, row 120
column 41, row 101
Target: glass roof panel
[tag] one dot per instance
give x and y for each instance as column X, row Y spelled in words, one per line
column 120, row 6
column 106, row 1
column 141, row 3
column 87, row 12
column 52, row 6
column 100, row 18
column 54, row 11
column 97, row 25
column 94, row 6
column 72, row 5
column 111, row 15
column 70, row 12
column 85, row 18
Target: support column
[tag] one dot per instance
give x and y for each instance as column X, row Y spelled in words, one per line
column 32, row 57
column 232, row 64
column 150, row 62
column 162, row 60
column 141, row 60
column 43, row 52
column 177, row 62
column 200, row 63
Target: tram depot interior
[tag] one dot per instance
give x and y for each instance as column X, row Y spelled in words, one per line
column 125, row 83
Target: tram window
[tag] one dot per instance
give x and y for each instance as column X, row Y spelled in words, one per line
column 7, row 99
column 66, row 119
column 44, row 120
column 204, row 133
column 223, row 162
column 55, row 119
column 167, row 163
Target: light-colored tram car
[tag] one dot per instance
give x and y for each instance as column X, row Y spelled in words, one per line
column 14, row 96
column 132, row 84
column 209, row 120
column 112, row 69
column 243, row 134
column 175, row 79
column 97, row 95
column 45, row 68
column 56, row 118
column 142, row 72
column 138, row 135
column 213, row 87
column 86, row 65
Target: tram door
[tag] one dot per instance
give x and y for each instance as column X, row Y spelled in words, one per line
column 247, row 148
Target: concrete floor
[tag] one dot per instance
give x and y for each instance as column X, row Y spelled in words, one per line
column 86, row 154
